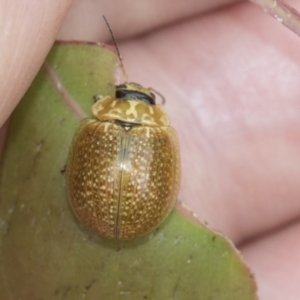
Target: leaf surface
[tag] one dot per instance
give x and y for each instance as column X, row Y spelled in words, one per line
column 45, row 253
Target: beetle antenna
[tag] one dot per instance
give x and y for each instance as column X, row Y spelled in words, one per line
column 163, row 99
column 117, row 48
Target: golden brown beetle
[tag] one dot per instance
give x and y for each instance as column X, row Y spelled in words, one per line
column 123, row 169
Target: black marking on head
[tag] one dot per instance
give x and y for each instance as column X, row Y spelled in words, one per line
column 121, row 86
column 125, row 94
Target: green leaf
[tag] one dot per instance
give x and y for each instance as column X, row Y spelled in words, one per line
column 45, row 253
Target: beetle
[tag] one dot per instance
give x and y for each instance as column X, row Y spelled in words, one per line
column 123, row 168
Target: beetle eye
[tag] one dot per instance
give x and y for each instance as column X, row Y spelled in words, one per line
column 120, row 94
